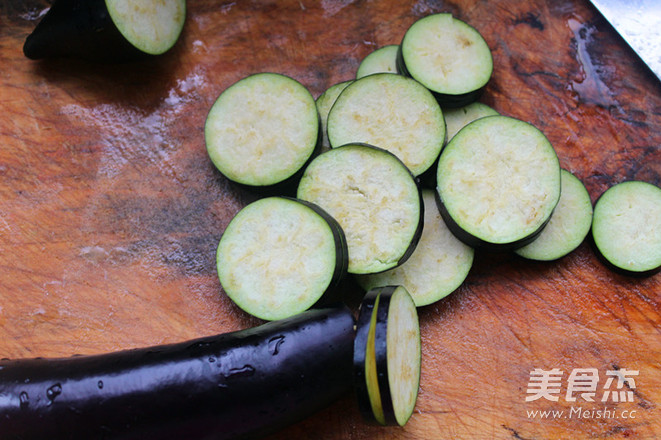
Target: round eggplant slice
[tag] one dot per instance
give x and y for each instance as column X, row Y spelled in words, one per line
column 447, row 56
column 437, row 267
column 458, row 118
column 373, row 197
column 569, row 224
column 382, row 60
column 263, row 130
column 110, row 30
column 498, row 183
column 324, row 103
column 279, row 256
column 391, row 112
column 626, row 228
column 397, row 350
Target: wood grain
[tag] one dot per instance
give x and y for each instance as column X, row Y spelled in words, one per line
column 110, row 210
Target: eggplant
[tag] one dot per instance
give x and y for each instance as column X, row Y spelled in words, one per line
column 498, row 182
column 280, row 256
column 107, row 30
column 325, row 102
column 392, row 112
column 626, row 231
column 458, row 118
column 387, row 356
column 243, row 384
column 382, row 60
column 569, row 224
column 374, row 198
column 439, row 265
column 262, row 131
column 447, row 56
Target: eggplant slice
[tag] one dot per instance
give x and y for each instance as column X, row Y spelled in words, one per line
column 458, row 118
column 263, row 130
column 569, row 224
column 437, row 267
column 391, row 112
column 447, row 56
column 325, row 102
column 498, row 183
column 626, row 228
column 373, row 197
column 382, row 60
column 280, row 256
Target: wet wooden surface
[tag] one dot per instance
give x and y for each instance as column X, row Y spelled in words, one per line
column 110, row 210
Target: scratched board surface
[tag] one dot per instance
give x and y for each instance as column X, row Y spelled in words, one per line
column 110, row 210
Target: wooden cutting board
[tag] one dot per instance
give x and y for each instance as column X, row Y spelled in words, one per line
column 110, row 210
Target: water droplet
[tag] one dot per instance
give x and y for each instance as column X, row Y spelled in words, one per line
column 238, row 373
column 275, row 343
column 54, row 391
column 24, row 399
column 100, row 384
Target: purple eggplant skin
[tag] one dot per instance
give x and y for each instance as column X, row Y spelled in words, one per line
column 381, row 351
column 238, row 385
column 80, row 29
column 360, row 355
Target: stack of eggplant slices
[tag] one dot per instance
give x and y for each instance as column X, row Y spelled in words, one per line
column 395, row 178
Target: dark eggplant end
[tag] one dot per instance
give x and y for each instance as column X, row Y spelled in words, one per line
column 84, row 29
column 236, row 385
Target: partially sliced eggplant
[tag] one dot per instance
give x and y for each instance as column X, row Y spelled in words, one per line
column 280, row 256
column 569, row 224
column 374, row 198
column 107, row 30
column 262, row 131
column 437, row 267
column 447, row 56
column 626, row 228
column 498, row 183
column 324, row 103
column 397, row 355
column 391, row 112
column 244, row 384
column 382, row 60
